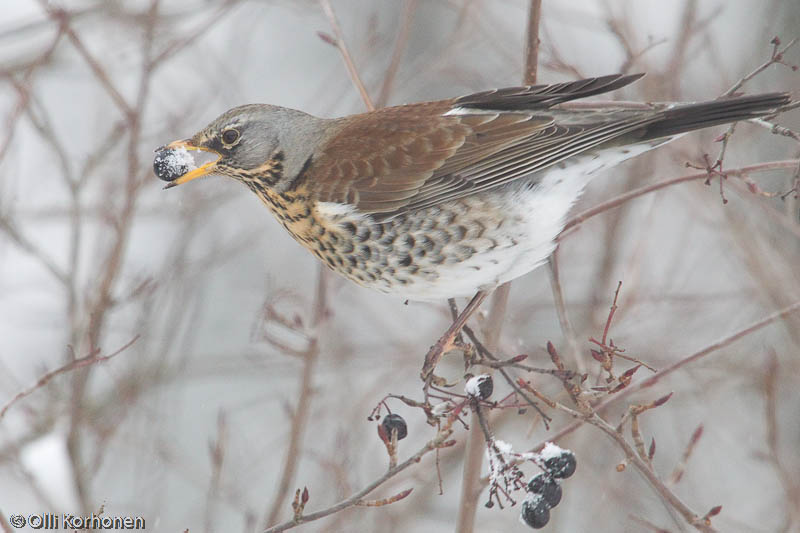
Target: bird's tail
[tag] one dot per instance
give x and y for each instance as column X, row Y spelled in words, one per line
column 687, row 117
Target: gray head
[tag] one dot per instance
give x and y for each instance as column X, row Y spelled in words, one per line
column 256, row 142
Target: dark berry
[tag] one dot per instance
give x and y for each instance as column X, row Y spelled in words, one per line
column 561, row 466
column 535, row 511
column 548, row 487
column 480, row 387
column 168, row 166
column 393, row 421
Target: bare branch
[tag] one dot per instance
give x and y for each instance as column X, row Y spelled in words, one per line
column 61, row 17
column 696, row 356
column 532, row 42
column 31, row 249
column 397, row 55
column 693, row 518
column 348, row 60
column 301, row 412
column 474, row 451
column 776, row 129
column 580, row 218
column 179, row 44
column 439, row 441
column 91, row 359
column 776, row 57
column 24, row 88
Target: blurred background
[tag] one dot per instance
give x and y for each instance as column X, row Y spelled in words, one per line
column 232, row 394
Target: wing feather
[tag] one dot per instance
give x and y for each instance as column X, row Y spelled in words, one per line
column 398, row 159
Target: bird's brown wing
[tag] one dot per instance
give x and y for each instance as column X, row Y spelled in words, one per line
column 399, row 159
column 381, row 161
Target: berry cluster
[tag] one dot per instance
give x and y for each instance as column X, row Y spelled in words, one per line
column 544, row 491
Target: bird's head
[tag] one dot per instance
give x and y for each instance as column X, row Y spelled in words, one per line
column 255, row 142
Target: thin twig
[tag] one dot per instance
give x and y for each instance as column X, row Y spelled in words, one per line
column 26, row 245
column 649, row 474
column 24, row 95
column 580, row 218
column 680, row 468
column 474, row 451
column 97, row 69
column 788, row 480
column 532, row 42
column 399, row 49
column 91, row 359
column 301, row 412
column 776, row 129
column 495, row 362
column 178, row 45
column 385, row 501
column 776, row 57
column 348, row 60
column 513, row 363
column 641, row 465
column 696, row 356
column 561, row 311
column 682, row 40
column 439, row 441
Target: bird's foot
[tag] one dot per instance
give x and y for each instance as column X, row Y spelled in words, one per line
column 448, row 341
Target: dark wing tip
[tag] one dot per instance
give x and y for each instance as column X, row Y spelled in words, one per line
column 543, row 96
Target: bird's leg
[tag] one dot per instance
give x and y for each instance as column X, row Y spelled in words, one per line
column 446, row 341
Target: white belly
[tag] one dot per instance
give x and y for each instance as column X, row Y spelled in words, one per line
column 534, row 216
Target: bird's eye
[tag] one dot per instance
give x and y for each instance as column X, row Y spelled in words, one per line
column 230, row 136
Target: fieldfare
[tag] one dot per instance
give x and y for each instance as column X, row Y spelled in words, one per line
column 439, row 199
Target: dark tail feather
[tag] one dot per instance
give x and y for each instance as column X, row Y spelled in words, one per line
column 543, row 96
column 688, row 117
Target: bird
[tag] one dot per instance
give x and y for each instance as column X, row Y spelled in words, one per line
column 440, row 199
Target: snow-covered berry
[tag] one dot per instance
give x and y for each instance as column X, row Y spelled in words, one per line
column 393, row 421
column 561, row 466
column 480, row 386
column 535, row 511
column 172, row 163
column 548, row 487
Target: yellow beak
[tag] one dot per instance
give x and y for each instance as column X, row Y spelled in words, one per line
column 199, row 172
